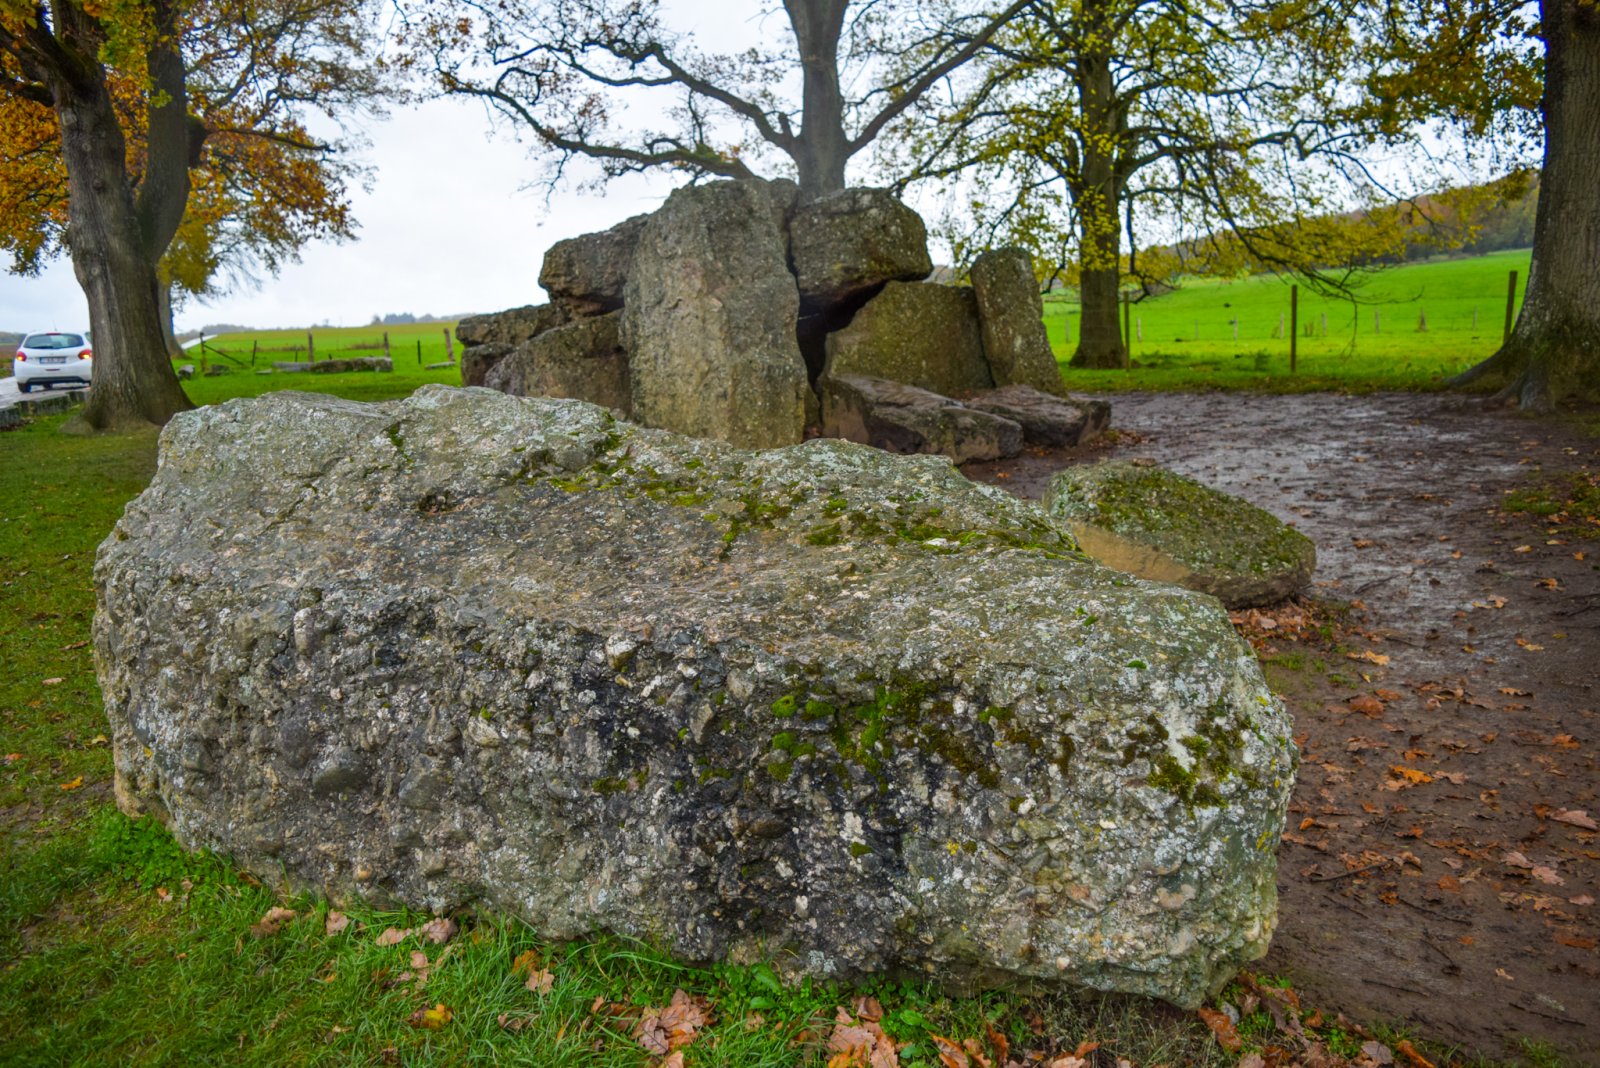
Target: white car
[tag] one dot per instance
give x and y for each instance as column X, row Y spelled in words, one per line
column 46, row 359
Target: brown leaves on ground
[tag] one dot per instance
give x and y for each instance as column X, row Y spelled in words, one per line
column 540, row 980
column 393, row 936
column 271, row 923
column 1222, row 1027
column 858, row 1041
column 439, row 931
column 662, row 1030
column 335, row 923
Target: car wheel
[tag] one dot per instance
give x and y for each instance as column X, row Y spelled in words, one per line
column 26, row 387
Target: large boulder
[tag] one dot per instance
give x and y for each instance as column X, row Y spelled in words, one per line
column 1046, row 419
column 1159, row 525
column 511, row 327
column 709, row 317
column 919, row 333
column 841, row 710
column 587, row 275
column 845, row 246
column 1011, row 315
column 904, row 419
column 582, row 360
column 488, row 339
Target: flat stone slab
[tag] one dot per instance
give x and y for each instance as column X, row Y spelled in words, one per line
column 1159, row 525
column 844, row 711
column 904, row 419
column 1046, row 419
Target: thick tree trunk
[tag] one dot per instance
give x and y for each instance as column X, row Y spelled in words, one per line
column 822, row 149
column 1554, row 349
column 1097, row 194
column 133, row 379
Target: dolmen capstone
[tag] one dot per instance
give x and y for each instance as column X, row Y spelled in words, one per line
column 1160, row 525
column 824, row 706
column 743, row 312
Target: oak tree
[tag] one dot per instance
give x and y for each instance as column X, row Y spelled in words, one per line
column 614, row 82
column 117, row 106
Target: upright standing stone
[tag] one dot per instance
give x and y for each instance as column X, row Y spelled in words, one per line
column 919, row 333
column 709, row 316
column 1012, row 319
column 582, row 360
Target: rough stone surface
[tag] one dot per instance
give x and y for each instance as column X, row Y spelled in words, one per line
column 904, row 419
column 478, row 360
column 1011, row 315
column 587, row 275
column 845, row 246
column 344, row 365
column 821, row 705
column 1157, row 524
column 709, row 317
column 511, row 327
column 919, row 333
column 582, row 360
column 1045, row 419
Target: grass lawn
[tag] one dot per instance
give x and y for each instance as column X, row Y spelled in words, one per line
column 1185, row 339
column 117, row 947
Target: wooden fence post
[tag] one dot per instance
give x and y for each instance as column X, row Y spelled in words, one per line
column 386, row 347
column 1294, row 325
column 449, row 346
column 1127, row 331
column 202, row 347
column 1511, row 307
column 419, row 352
column 255, row 345
column 311, row 348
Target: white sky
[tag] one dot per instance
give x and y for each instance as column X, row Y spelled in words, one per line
column 451, row 226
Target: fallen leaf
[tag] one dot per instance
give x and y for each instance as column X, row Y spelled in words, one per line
column 1576, row 818
column 1376, row 1053
column 1222, row 1027
column 511, row 1023
column 272, row 922
column 674, row 1060
column 662, row 1030
column 1548, row 876
column 1523, row 549
column 1530, row 646
column 57, row 681
column 541, row 981
column 336, row 923
column 1252, row 1060
column 74, row 784
column 1516, row 860
column 1368, row 655
column 439, row 931
column 1577, row 941
column 1564, row 741
column 526, row 961
column 433, row 1018
column 1582, row 900
column 1405, row 776
column 1366, row 705
column 393, row 936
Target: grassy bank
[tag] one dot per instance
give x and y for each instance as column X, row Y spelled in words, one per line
column 1185, row 339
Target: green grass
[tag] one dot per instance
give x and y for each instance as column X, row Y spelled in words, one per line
column 118, row 947
column 1187, row 335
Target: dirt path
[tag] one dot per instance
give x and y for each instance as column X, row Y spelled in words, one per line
column 1439, row 866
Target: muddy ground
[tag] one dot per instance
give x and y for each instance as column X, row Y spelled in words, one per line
column 1439, row 866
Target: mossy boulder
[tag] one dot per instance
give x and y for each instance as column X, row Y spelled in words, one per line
column 1159, row 525
column 821, row 705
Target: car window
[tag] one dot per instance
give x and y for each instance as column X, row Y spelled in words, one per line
column 53, row 341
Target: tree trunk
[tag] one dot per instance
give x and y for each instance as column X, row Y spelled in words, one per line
column 1554, row 349
column 1097, row 194
column 822, row 149
column 133, row 379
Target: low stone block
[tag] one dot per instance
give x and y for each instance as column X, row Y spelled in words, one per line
column 904, row 419
column 819, row 705
column 1159, row 525
column 587, row 275
column 582, row 360
column 1046, row 420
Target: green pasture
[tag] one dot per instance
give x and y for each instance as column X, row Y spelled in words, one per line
column 1371, row 339
column 412, row 348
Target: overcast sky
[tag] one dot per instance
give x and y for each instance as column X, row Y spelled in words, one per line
column 450, row 226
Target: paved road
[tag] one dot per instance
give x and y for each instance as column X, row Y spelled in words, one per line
column 10, row 394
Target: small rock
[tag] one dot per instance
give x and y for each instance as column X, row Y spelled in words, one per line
column 1047, row 420
column 904, row 419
